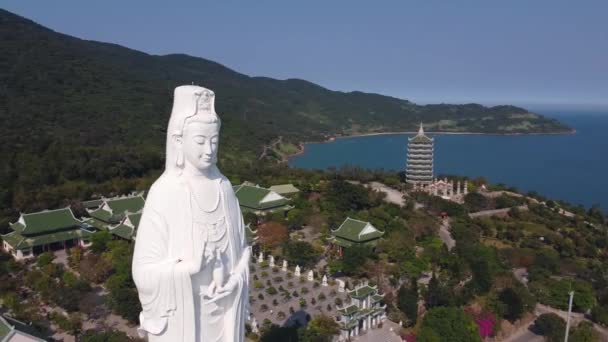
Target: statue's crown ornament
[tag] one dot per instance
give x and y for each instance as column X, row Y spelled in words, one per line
column 205, row 102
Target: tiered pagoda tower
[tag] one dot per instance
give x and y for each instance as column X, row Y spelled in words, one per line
column 419, row 169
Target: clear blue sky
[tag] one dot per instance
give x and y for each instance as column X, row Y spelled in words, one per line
column 516, row 51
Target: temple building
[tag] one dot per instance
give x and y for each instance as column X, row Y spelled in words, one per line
column 446, row 189
column 419, row 169
column 13, row 330
column 127, row 229
column 259, row 200
column 285, row 189
column 118, row 215
column 364, row 312
column 46, row 231
column 354, row 232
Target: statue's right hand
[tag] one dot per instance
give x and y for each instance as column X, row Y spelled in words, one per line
column 190, row 266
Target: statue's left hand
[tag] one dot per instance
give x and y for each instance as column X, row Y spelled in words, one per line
column 225, row 290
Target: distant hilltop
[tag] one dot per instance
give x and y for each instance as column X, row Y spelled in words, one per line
column 108, row 106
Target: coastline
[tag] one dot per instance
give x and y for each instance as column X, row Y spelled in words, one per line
column 302, row 145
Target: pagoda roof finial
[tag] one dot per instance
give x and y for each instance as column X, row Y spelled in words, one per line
column 421, row 130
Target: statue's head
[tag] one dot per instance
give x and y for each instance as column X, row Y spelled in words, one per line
column 194, row 127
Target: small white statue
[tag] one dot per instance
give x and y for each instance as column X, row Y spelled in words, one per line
column 311, row 276
column 254, row 326
column 261, row 258
column 324, row 281
column 297, row 273
column 191, row 259
column 341, row 285
column 271, row 261
column 284, row 268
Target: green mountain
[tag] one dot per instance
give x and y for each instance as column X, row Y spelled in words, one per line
column 83, row 111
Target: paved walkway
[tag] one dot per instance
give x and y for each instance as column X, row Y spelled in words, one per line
column 445, row 236
column 388, row 333
column 495, row 212
column 524, row 334
column 392, row 195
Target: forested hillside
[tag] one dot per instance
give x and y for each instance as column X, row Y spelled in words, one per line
column 82, row 117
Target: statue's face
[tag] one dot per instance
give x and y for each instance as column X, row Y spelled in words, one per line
column 200, row 144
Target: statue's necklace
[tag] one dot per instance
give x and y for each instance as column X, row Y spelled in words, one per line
column 217, row 201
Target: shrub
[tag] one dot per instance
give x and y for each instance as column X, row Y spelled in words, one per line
column 551, row 326
column 260, row 296
column 304, row 290
column 302, row 302
column 45, row 259
column 264, row 307
column 258, row 285
column 321, row 296
column 599, row 314
column 264, row 274
column 271, row 291
column 281, row 315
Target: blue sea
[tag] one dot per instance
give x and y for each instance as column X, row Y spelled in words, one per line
column 570, row 167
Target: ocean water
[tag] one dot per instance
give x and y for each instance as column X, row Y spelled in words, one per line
column 571, row 167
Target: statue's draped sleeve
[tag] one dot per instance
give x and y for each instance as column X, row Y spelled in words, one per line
column 161, row 282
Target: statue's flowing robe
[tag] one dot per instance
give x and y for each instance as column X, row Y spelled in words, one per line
column 165, row 234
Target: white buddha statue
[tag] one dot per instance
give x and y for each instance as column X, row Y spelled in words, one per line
column 191, row 258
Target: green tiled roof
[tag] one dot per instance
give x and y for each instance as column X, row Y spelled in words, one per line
column 354, row 230
column 341, row 242
column 349, row 310
column 134, row 218
column 5, row 329
column 13, row 239
column 123, row 231
column 46, row 221
column 101, row 215
column 362, row 292
column 376, row 298
column 251, row 197
column 101, row 225
column 283, row 189
column 19, row 241
column 122, row 205
column 16, row 327
column 92, row 203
